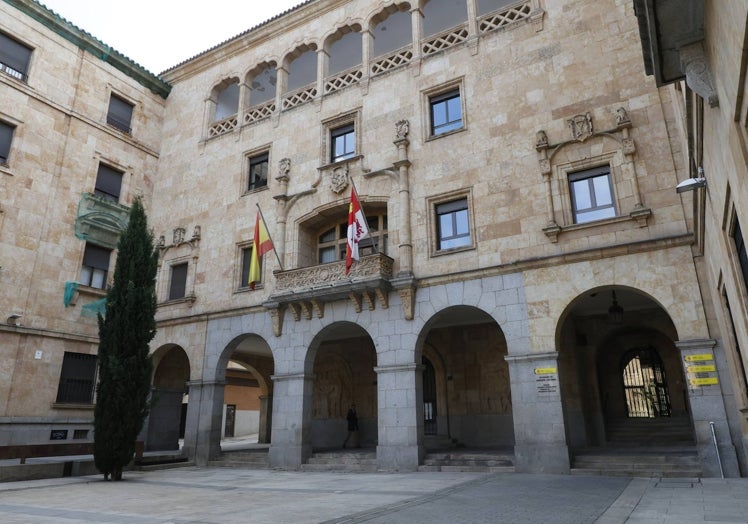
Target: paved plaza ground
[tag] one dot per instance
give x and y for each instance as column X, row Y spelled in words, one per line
column 193, row 495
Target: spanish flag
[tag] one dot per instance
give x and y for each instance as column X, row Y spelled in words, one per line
column 357, row 229
column 261, row 245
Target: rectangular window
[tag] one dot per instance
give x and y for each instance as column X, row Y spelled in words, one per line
column 14, row 58
column 740, row 250
column 258, row 171
column 95, row 266
column 343, row 140
column 178, row 285
column 77, row 379
column 119, row 114
column 246, row 258
column 6, row 137
column 736, row 345
column 446, row 112
column 452, row 224
column 592, row 195
column 108, row 183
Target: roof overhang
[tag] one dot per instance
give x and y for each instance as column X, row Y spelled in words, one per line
column 672, row 36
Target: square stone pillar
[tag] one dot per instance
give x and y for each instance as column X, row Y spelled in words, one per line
column 400, row 417
column 539, row 434
column 202, row 436
column 708, row 407
column 291, row 444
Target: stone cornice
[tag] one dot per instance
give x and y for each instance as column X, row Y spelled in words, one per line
column 92, row 45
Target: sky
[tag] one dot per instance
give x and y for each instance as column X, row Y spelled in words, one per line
column 159, row 34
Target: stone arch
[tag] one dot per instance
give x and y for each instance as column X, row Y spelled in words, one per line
column 399, row 14
column 261, row 83
column 344, row 48
column 169, row 398
column 224, row 98
column 301, row 66
column 341, row 360
column 468, row 347
column 595, row 331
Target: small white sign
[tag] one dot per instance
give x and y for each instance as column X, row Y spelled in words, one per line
column 38, row 354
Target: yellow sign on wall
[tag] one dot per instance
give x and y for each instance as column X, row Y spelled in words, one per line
column 711, row 381
column 701, row 369
column 699, row 358
column 545, row 371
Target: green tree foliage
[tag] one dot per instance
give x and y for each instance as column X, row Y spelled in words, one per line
column 124, row 336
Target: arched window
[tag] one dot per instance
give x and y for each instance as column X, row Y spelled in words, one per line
column 331, row 241
column 644, row 384
column 227, row 102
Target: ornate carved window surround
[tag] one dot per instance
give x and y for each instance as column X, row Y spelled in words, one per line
column 587, row 149
column 179, row 251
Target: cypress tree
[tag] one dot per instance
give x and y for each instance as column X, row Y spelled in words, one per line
column 124, row 337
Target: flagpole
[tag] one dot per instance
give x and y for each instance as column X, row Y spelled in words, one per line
column 368, row 231
column 262, row 217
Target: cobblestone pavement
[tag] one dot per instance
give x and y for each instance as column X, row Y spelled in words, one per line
column 224, row 495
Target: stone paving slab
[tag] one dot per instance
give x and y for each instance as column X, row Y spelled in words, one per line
column 192, row 495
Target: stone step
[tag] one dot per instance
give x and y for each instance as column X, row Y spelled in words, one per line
column 467, row 469
column 635, row 459
column 369, row 468
column 341, row 460
column 652, row 472
column 467, row 463
column 166, row 465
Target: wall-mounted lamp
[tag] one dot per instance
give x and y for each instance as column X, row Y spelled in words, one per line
column 13, row 319
column 691, row 184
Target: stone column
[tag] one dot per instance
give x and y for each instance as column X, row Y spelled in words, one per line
column 291, row 445
column 323, row 60
column 539, row 434
column 707, row 405
column 400, row 417
column 416, row 21
column 266, row 419
column 202, row 438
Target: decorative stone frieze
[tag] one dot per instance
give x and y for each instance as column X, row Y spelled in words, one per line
column 306, row 290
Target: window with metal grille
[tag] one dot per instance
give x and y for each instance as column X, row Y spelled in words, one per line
column 77, row 379
column 119, row 114
column 644, row 384
column 95, row 266
column 14, row 58
column 108, row 183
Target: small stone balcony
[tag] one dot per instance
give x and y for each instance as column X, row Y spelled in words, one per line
column 304, row 291
column 100, row 220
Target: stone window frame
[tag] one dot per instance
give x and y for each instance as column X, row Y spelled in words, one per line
column 172, row 280
column 113, row 123
column 241, row 280
column 107, row 273
column 127, row 172
column 165, row 280
column 12, row 72
column 588, row 149
column 568, row 172
column 16, row 138
column 431, row 204
column 336, row 122
column 5, row 160
column 427, row 95
column 247, row 157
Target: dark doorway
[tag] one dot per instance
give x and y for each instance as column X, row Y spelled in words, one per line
column 230, row 420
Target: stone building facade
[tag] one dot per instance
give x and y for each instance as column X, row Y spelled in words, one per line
column 530, row 280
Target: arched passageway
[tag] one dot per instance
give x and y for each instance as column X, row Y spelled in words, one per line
column 344, row 358
column 169, row 397
column 622, row 380
column 466, row 391
column 247, row 397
